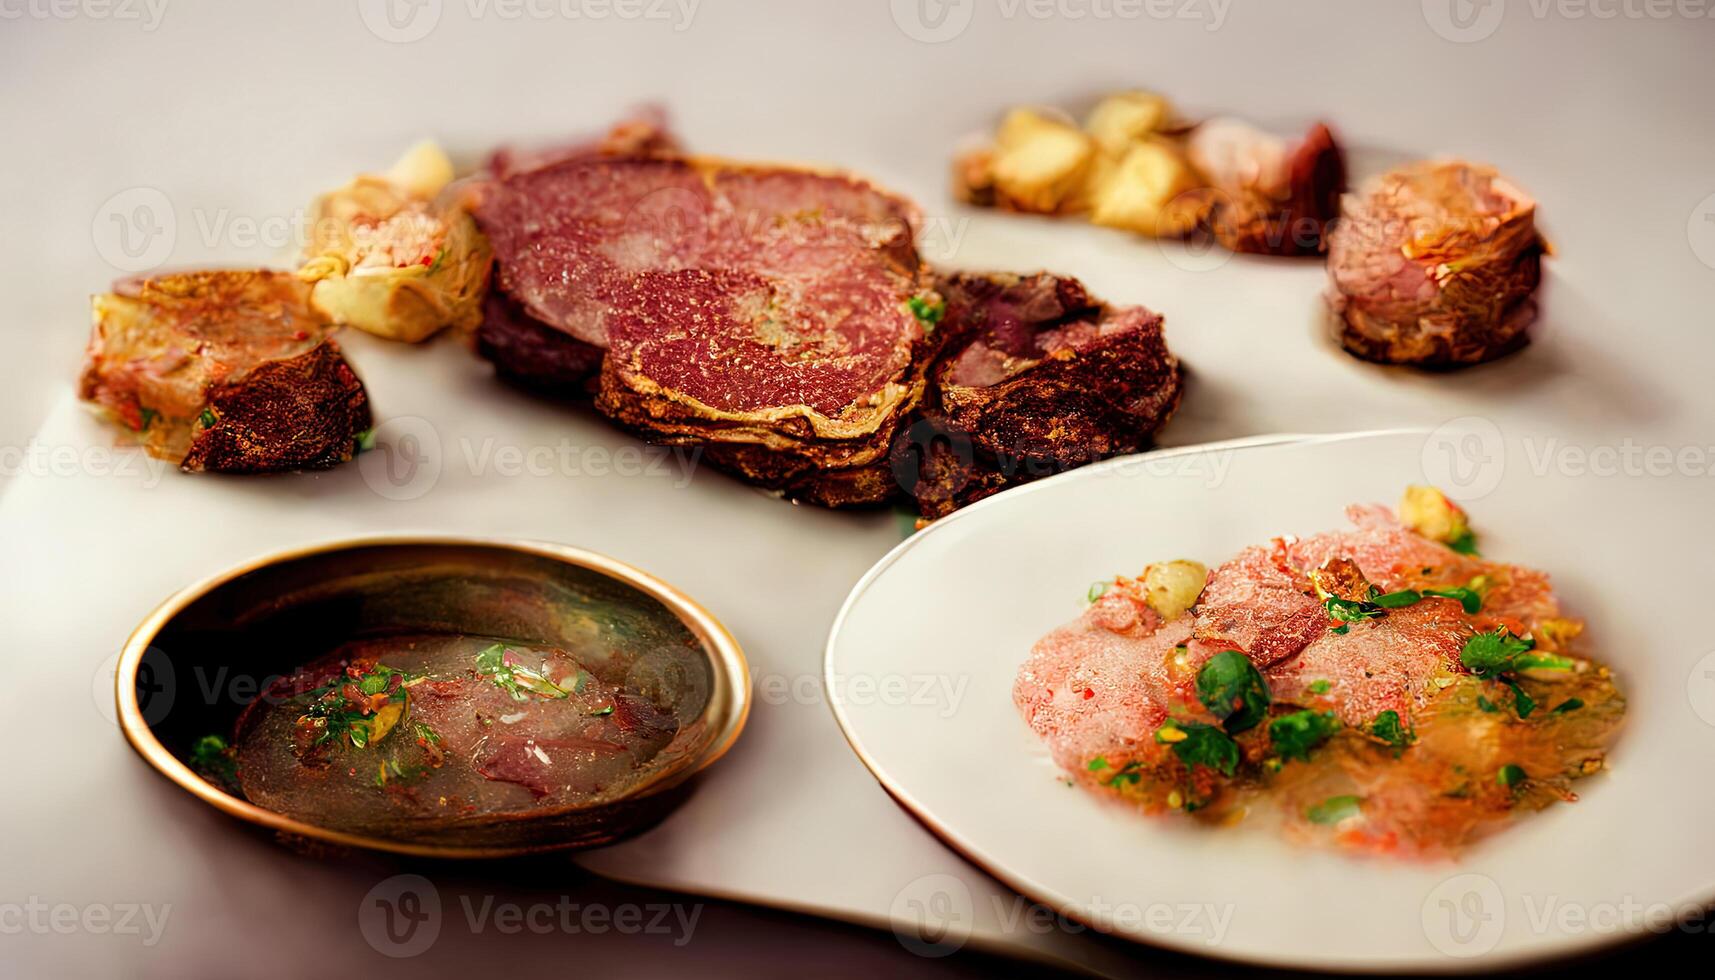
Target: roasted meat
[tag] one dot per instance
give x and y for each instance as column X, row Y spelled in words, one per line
column 1266, row 195
column 1035, row 377
column 1434, row 265
column 529, row 353
column 230, row 371
column 768, row 314
column 1377, row 688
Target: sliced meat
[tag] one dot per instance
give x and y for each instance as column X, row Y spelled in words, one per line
column 1434, row 265
column 531, row 354
column 1385, row 664
column 1261, row 606
column 1268, row 196
column 1035, row 377
column 643, row 133
column 229, row 371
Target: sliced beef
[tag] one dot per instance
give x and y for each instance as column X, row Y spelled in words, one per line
column 531, row 354
column 643, row 133
column 1260, row 605
column 229, row 371
column 1434, row 265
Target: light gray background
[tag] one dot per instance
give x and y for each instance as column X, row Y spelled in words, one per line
column 238, row 112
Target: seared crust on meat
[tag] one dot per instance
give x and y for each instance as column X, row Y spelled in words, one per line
column 303, row 413
column 1434, row 265
column 227, row 371
column 529, row 353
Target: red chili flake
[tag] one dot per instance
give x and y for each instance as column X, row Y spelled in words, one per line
column 1088, row 694
column 427, row 260
column 301, row 335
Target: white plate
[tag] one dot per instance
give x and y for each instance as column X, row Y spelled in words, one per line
column 956, row 608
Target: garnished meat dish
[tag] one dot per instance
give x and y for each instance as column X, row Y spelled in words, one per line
column 1434, row 265
column 1382, row 688
column 231, row 371
column 424, row 730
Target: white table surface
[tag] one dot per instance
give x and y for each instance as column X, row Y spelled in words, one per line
column 237, row 113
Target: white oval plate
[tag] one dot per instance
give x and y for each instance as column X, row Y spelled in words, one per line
column 921, row 660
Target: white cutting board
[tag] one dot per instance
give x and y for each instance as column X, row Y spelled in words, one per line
column 1617, row 151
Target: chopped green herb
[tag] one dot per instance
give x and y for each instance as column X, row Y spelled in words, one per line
column 1197, row 744
column 1468, row 598
column 207, row 418
column 1335, row 809
column 1465, row 544
column 928, row 312
column 1319, row 687
column 1349, row 610
column 599, row 712
column 1484, row 704
column 1129, row 776
column 1390, row 729
column 1233, row 690
column 1570, row 704
column 212, row 758
column 1511, row 775
column 366, row 440
column 1097, row 590
column 1489, row 654
column 1294, row 735
column 1523, row 703
column 427, row 734
column 1342, row 629
column 148, row 416
column 1099, row 763
column 1398, row 600
column 515, row 679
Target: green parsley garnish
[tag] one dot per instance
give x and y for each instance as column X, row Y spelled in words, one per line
column 1099, row 763
column 366, row 440
column 1523, row 703
column 516, row 679
column 1096, row 591
column 1350, row 610
column 1233, row 690
column 1511, row 775
column 1319, row 687
column 1465, row 544
column 207, row 418
column 1335, row 809
column 1469, row 599
column 1570, row 704
column 1294, row 735
column 1391, row 730
column 1500, row 652
column 1342, row 629
column 928, row 312
column 1484, row 704
column 1197, row 744
column 148, row 416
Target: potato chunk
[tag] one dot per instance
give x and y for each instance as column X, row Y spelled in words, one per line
column 1124, row 118
column 1039, row 161
column 1148, row 191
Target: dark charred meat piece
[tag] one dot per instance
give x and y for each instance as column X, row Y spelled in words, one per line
column 529, row 353
column 1434, row 265
column 1267, row 197
column 229, row 371
column 1037, row 377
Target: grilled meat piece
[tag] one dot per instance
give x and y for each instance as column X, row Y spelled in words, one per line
column 1434, row 265
column 229, row 371
column 1036, row 377
column 1265, row 196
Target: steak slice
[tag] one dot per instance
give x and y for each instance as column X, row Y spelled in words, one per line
column 762, row 311
column 530, row 354
column 1434, row 265
column 228, row 371
column 1036, row 377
